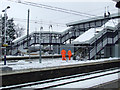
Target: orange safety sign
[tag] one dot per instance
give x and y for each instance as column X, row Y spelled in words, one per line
column 69, row 54
column 63, row 53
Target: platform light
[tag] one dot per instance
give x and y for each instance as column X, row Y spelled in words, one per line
column 5, row 15
column 40, row 60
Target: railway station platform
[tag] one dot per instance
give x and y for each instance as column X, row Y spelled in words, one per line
column 32, row 75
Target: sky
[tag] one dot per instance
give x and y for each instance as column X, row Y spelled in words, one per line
column 45, row 17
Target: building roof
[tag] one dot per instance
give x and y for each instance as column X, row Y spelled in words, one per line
column 99, row 18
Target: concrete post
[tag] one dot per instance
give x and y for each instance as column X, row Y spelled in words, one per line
column 119, row 40
column 0, row 37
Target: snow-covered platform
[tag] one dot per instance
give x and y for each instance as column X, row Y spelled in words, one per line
column 31, row 57
column 29, row 64
column 33, row 64
column 34, row 71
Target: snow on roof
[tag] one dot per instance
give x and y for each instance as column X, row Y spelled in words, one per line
column 111, row 23
column 85, row 37
column 47, row 32
column 19, row 38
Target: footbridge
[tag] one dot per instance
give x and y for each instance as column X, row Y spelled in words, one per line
column 74, row 30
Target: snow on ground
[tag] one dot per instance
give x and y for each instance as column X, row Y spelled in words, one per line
column 25, row 55
column 31, row 64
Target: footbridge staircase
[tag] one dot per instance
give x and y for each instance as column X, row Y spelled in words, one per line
column 107, row 37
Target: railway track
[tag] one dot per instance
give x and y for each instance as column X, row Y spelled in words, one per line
column 51, row 83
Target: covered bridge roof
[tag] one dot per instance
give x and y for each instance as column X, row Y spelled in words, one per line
column 95, row 19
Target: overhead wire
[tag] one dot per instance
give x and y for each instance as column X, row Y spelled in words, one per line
column 62, row 9
column 54, row 8
column 40, row 22
column 73, row 12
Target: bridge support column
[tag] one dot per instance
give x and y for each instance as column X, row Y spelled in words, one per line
column 70, row 41
column 119, row 36
column 119, row 49
column 109, row 51
column 56, row 49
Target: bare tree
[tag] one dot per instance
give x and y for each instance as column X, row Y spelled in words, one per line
column 19, row 30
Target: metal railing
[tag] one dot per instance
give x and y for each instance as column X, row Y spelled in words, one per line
column 105, row 41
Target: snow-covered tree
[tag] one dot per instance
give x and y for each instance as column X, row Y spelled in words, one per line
column 10, row 31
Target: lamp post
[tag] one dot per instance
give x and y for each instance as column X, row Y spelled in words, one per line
column 5, row 15
column 50, row 37
column 40, row 60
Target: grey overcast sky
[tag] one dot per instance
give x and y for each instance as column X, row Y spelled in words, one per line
column 44, row 17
